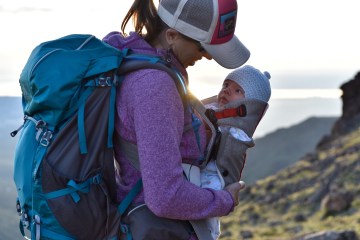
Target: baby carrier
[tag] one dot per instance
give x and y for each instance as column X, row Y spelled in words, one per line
column 228, row 151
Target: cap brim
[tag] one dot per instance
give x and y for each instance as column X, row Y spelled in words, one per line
column 231, row 54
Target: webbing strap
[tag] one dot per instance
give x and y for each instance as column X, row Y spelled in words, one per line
column 143, row 57
column 21, row 227
column 130, row 197
column 40, row 153
column 125, row 229
column 104, row 81
column 81, row 128
column 111, row 119
column 44, row 232
column 73, row 188
column 53, row 235
column 81, row 120
column 232, row 112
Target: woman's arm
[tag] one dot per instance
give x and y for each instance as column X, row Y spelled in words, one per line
column 159, row 120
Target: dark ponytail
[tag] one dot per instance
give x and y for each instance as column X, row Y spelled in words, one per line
column 144, row 14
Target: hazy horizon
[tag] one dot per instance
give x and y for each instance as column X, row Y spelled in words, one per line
column 284, row 85
column 282, row 113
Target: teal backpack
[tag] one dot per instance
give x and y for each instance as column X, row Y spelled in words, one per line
column 64, row 163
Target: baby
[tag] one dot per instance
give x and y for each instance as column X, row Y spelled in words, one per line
column 241, row 104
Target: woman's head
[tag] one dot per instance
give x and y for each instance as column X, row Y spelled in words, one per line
column 208, row 24
column 160, row 35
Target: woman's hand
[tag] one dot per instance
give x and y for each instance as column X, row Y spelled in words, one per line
column 234, row 190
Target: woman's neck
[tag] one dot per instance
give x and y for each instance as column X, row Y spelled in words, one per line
column 160, row 42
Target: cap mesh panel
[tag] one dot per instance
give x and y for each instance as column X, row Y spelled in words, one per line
column 198, row 13
column 170, row 5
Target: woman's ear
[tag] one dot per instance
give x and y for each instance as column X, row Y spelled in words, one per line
column 171, row 35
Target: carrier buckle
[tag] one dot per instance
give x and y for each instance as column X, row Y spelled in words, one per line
column 241, row 110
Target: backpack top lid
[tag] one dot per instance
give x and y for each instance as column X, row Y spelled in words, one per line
column 52, row 76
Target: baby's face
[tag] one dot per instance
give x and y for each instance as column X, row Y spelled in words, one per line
column 230, row 91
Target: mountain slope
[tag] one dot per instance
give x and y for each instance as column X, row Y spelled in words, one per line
column 288, row 204
column 284, row 147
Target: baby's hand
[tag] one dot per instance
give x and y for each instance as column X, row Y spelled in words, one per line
column 234, row 190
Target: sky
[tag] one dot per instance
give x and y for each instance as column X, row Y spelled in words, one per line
column 304, row 44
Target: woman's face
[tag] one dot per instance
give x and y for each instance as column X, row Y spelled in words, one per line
column 188, row 51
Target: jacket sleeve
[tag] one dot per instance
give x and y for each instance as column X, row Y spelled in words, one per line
column 158, row 116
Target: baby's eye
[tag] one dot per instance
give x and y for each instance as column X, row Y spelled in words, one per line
column 238, row 90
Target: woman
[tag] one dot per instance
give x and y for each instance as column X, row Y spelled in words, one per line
column 150, row 111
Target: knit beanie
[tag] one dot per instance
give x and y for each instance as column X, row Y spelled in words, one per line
column 255, row 83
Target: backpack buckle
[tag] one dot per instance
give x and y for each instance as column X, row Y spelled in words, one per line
column 104, row 81
column 46, row 137
column 96, row 179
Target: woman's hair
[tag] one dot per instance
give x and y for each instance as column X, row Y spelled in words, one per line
column 144, row 14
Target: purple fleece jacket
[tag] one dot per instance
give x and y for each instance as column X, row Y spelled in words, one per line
column 150, row 114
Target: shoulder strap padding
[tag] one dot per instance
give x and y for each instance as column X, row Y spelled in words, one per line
column 129, row 66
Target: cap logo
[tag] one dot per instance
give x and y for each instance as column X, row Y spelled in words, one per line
column 227, row 24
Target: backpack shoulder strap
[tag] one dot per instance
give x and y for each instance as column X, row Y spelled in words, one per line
column 130, row 151
column 135, row 62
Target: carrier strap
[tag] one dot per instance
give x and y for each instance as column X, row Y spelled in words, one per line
column 232, row 112
column 199, row 107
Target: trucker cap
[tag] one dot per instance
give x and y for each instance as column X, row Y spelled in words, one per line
column 212, row 23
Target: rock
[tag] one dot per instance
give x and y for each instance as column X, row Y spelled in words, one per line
column 246, row 234
column 226, row 233
column 335, row 202
column 299, row 218
column 331, row 235
column 350, row 118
